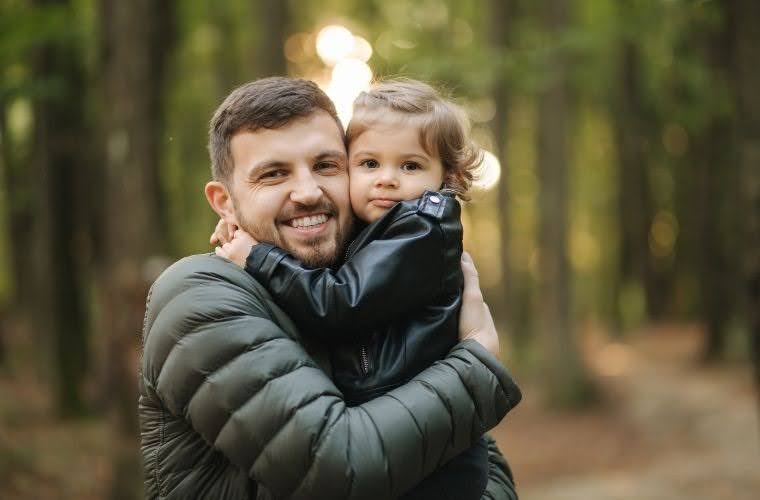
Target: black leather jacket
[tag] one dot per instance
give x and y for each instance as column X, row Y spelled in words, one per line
column 401, row 282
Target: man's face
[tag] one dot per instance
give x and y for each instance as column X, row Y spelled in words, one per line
column 290, row 187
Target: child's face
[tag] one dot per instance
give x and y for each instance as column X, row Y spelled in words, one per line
column 387, row 164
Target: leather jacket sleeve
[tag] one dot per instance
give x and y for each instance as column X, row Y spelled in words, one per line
column 216, row 358
column 402, row 268
column 501, row 484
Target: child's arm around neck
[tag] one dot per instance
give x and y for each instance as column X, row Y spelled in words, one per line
column 397, row 264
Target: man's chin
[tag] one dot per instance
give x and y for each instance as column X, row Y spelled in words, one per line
column 314, row 254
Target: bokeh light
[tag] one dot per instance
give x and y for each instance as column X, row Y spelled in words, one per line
column 488, row 173
column 349, row 78
column 347, row 54
column 334, row 43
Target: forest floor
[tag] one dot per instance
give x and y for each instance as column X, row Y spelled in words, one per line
column 667, row 428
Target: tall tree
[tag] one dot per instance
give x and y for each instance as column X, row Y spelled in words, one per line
column 22, row 189
column 565, row 378
column 632, row 124
column 60, row 155
column 273, row 23
column 21, row 194
column 714, row 154
column 502, row 22
column 636, row 132
column 747, row 79
column 133, row 56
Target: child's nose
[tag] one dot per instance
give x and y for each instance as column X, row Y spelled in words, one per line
column 387, row 177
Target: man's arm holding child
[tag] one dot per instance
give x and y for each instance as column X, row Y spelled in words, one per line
column 217, row 359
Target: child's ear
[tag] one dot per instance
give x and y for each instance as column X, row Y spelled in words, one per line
column 220, row 199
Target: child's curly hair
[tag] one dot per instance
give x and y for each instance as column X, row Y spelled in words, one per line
column 443, row 126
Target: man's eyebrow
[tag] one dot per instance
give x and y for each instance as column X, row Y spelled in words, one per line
column 330, row 153
column 265, row 164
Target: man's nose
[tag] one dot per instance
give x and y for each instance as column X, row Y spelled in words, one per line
column 306, row 191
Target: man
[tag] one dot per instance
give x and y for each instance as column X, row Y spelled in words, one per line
column 234, row 403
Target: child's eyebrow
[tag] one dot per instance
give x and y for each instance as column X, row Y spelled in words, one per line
column 363, row 152
column 418, row 156
column 367, row 152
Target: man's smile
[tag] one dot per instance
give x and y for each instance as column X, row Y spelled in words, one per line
column 308, row 226
column 308, row 221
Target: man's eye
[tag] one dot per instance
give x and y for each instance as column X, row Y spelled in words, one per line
column 410, row 165
column 325, row 165
column 272, row 174
column 369, row 163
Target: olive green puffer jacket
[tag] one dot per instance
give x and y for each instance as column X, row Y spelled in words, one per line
column 235, row 404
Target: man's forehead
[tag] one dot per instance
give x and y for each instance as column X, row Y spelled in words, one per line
column 302, row 135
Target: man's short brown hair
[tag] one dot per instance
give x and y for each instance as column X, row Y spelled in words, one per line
column 267, row 103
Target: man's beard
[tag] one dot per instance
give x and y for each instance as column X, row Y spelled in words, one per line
column 313, row 253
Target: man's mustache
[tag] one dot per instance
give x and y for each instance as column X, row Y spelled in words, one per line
column 294, row 210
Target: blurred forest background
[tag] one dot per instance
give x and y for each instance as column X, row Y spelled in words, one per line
column 619, row 247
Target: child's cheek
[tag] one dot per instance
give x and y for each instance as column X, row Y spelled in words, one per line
column 354, row 191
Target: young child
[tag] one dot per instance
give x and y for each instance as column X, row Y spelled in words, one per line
column 401, row 281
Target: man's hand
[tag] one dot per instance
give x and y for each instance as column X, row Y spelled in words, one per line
column 475, row 321
column 222, row 233
column 238, row 248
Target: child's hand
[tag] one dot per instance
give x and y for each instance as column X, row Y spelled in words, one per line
column 238, row 248
column 222, row 233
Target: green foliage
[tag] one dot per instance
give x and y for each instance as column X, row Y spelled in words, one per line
column 683, row 76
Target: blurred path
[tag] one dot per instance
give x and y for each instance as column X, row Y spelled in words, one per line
column 672, row 429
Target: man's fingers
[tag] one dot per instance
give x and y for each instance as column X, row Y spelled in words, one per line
column 471, row 281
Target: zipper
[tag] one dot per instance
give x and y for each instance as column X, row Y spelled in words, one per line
column 364, row 359
column 351, row 248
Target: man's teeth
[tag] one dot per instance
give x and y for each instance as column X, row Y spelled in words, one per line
column 313, row 220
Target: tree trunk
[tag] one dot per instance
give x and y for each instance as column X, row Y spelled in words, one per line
column 747, row 79
column 715, row 269
column 502, row 14
column 60, row 156
column 635, row 132
column 715, row 154
column 22, row 198
column 134, row 45
column 272, row 21
column 566, row 382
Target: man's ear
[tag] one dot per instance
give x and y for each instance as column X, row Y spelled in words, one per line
column 220, row 199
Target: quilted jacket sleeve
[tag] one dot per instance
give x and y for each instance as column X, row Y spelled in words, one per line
column 501, row 484
column 215, row 358
column 401, row 269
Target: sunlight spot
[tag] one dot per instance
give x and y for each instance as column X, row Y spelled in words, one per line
column 334, row 43
column 663, row 234
column 488, row 173
column 349, row 78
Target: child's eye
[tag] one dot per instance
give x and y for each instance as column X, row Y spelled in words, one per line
column 369, row 163
column 410, row 165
